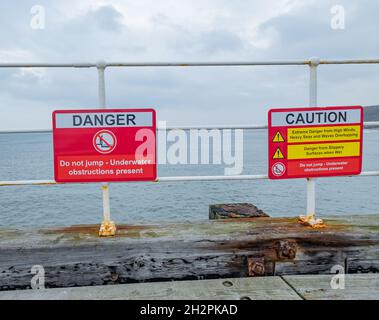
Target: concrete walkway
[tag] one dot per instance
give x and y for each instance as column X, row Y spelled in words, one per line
column 309, row 287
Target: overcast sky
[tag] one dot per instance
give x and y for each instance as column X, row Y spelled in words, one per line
column 181, row 30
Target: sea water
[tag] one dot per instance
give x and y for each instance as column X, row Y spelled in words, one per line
column 28, row 156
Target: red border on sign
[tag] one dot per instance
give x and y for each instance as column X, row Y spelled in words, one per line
column 304, row 109
column 153, row 128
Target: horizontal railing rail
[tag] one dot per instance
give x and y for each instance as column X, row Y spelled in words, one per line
column 171, row 179
column 367, row 125
column 104, row 64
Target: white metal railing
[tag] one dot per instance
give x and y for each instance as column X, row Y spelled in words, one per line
column 367, row 125
column 170, row 179
column 103, row 64
column 313, row 64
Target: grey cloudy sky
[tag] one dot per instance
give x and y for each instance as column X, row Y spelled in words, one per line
column 184, row 30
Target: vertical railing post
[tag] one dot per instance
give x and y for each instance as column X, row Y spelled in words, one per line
column 101, row 84
column 108, row 227
column 311, row 182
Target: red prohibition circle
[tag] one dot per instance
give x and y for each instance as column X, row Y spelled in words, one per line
column 278, row 169
column 104, row 141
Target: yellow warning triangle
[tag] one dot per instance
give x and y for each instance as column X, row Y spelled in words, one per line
column 278, row 154
column 278, row 137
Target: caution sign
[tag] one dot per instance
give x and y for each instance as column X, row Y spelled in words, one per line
column 315, row 142
column 104, row 145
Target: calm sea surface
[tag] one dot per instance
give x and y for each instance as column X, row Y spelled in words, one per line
column 29, row 156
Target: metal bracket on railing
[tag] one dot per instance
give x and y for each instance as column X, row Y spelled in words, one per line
column 107, row 229
column 312, row 221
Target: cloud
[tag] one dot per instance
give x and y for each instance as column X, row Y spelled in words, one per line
column 308, row 31
column 107, row 18
column 206, row 30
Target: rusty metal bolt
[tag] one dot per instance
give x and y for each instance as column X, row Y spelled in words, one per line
column 286, row 249
column 255, row 267
column 114, row 276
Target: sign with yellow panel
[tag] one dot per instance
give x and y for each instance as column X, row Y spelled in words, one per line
column 315, row 142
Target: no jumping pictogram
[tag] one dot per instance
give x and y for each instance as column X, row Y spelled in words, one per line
column 104, row 141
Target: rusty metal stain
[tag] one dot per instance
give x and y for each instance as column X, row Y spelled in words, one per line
column 93, row 229
column 255, row 266
column 286, row 249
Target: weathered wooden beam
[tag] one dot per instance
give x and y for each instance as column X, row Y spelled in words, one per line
column 76, row 256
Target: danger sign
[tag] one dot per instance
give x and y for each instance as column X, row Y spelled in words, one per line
column 104, row 145
column 315, row 142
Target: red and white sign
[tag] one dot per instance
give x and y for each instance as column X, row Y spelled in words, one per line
column 315, row 142
column 104, row 145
